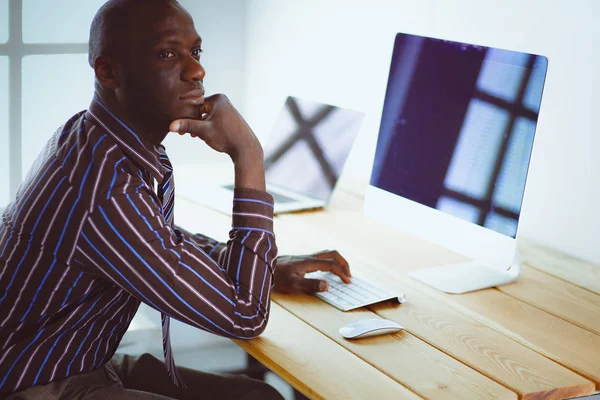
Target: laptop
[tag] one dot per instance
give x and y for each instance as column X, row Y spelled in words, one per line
column 304, row 156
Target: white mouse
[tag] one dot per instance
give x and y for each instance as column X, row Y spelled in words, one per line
column 369, row 327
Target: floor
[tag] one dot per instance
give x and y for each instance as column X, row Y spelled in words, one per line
column 192, row 348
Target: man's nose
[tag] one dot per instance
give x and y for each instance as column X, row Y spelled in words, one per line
column 193, row 70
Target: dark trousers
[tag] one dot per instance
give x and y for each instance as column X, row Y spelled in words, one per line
column 146, row 378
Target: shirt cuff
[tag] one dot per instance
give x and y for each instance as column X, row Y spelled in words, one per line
column 252, row 209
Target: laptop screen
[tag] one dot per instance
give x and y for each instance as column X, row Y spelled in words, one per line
column 309, row 146
column 457, row 128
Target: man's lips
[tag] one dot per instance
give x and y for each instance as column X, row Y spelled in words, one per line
column 195, row 97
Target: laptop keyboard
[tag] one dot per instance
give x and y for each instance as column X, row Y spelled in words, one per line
column 279, row 198
column 348, row 296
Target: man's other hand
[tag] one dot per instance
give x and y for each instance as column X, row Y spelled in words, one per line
column 290, row 270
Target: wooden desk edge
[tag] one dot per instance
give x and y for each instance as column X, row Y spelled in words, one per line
column 252, row 348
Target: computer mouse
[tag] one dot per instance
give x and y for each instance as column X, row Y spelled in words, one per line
column 369, row 327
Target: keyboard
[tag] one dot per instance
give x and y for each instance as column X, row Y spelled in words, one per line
column 279, row 198
column 349, row 296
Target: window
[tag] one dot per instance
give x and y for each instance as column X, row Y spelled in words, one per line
column 4, row 161
column 3, row 21
column 488, row 189
column 479, row 140
column 45, row 21
column 459, row 209
column 52, row 94
column 44, row 77
column 511, row 182
column 535, row 86
column 498, row 80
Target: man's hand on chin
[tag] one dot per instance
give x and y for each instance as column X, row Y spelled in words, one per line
column 290, row 270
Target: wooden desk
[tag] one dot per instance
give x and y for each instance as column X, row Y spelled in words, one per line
column 538, row 338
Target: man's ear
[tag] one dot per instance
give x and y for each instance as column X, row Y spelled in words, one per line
column 106, row 72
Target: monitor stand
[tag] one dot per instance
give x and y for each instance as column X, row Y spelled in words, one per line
column 467, row 277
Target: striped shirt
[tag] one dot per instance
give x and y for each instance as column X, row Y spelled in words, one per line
column 85, row 242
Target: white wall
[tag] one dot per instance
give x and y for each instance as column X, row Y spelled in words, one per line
column 338, row 51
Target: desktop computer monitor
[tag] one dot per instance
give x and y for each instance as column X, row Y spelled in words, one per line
column 453, row 151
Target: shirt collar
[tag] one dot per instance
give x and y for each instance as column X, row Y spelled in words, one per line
column 144, row 153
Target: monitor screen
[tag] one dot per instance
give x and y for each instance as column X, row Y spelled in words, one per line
column 457, row 128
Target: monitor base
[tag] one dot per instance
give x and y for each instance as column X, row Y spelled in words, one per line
column 467, row 277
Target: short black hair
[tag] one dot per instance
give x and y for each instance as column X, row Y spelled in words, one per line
column 109, row 23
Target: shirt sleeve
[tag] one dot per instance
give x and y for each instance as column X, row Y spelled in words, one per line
column 215, row 249
column 127, row 240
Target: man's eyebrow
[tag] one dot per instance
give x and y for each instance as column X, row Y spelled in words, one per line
column 175, row 40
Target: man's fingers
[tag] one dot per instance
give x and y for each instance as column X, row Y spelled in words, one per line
column 204, row 107
column 335, row 255
column 192, row 126
column 312, row 286
column 325, row 264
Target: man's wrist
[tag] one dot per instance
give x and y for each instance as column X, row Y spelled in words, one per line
column 249, row 170
column 248, row 155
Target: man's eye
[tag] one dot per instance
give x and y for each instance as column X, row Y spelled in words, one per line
column 166, row 54
column 197, row 52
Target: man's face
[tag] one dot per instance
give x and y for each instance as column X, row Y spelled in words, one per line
column 162, row 74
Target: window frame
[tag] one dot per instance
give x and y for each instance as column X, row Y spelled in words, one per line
column 16, row 49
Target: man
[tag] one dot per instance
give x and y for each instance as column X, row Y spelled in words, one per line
column 90, row 234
